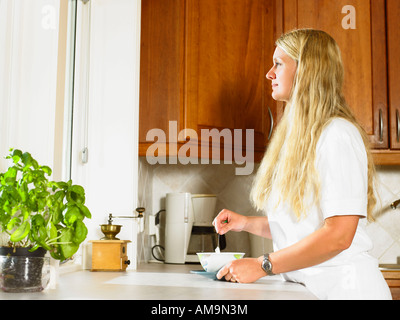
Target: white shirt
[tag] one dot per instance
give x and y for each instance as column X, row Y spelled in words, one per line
column 341, row 162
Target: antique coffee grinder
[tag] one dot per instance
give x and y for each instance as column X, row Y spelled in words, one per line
column 110, row 253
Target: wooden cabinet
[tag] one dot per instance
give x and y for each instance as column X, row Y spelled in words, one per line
column 392, row 278
column 391, row 156
column 227, row 58
column 161, row 67
column 203, row 65
column 393, row 34
column 358, row 26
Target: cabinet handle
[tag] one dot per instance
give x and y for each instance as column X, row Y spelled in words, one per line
column 380, row 126
column 398, row 125
column 272, row 123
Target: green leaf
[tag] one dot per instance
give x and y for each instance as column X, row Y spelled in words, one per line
column 10, row 176
column 6, row 206
column 13, row 222
column 21, row 232
column 59, row 196
column 23, row 191
column 51, row 231
column 58, row 185
column 76, row 194
column 25, row 213
column 84, row 210
column 38, row 232
column 34, row 248
column 73, row 213
column 69, row 249
column 47, row 170
column 80, row 232
column 42, row 234
column 56, row 213
column 16, row 155
column 38, row 220
column 26, row 159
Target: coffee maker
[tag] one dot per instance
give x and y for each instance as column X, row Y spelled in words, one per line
column 185, row 213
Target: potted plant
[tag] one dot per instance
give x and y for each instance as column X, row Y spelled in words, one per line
column 37, row 216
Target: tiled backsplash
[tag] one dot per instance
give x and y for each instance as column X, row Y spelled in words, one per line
column 385, row 231
column 232, row 191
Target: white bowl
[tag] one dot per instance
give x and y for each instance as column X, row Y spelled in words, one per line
column 212, row 261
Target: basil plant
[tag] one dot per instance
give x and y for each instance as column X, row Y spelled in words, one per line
column 36, row 212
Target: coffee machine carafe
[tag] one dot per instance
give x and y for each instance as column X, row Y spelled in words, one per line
column 184, row 213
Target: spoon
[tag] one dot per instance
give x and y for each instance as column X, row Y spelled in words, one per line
column 221, row 245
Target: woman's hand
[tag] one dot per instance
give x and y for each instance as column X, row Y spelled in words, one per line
column 244, row 270
column 228, row 220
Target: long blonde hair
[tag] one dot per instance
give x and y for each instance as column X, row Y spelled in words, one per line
column 316, row 98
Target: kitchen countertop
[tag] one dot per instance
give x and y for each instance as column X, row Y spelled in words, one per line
column 154, row 281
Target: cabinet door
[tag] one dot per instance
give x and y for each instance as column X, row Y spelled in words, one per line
column 229, row 50
column 393, row 33
column 161, row 67
column 358, row 26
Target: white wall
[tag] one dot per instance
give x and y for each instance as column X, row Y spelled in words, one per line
column 106, row 114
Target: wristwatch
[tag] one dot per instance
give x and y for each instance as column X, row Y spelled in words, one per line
column 266, row 265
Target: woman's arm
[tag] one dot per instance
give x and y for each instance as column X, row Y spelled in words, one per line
column 335, row 235
column 258, row 226
column 230, row 221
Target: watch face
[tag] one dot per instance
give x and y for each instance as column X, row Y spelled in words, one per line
column 267, row 266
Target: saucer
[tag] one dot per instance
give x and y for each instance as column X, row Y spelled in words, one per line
column 210, row 275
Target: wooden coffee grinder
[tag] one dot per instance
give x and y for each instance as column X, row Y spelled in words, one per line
column 110, row 253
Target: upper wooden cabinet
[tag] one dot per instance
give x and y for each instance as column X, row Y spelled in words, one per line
column 161, row 66
column 358, row 26
column 393, row 34
column 203, row 65
column 225, row 66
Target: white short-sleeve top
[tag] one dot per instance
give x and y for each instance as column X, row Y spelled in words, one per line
column 341, row 161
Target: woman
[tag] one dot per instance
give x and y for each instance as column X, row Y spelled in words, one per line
column 315, row 182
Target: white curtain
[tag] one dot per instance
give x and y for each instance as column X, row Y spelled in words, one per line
column 28, row 77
